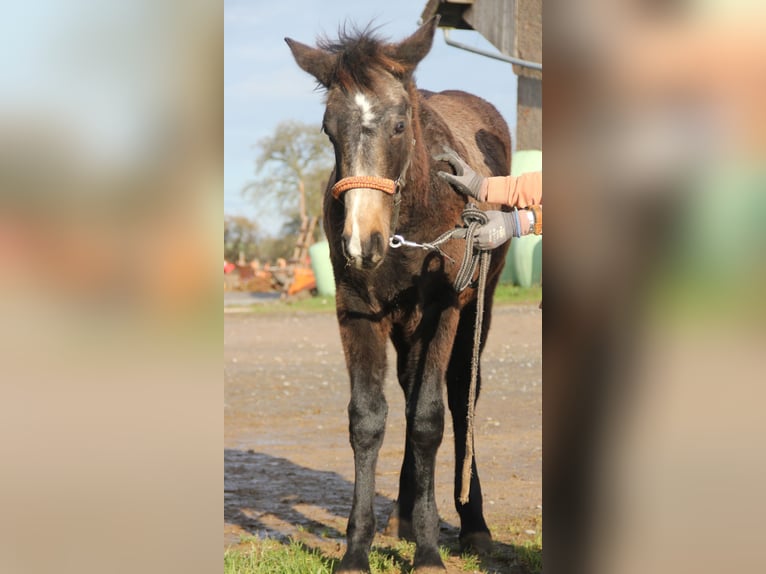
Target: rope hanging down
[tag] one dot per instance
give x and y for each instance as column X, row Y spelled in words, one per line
column 467, row 461
column 473, row 218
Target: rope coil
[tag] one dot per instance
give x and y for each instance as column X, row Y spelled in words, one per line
column 473, row 218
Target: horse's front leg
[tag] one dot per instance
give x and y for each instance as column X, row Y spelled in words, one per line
column 364, row 344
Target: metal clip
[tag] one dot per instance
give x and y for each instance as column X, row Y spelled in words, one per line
column 398, row 241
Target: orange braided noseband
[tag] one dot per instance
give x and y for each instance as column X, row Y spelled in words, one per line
column 366, row 181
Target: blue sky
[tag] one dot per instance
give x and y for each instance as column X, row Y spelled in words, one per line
column 263, row 86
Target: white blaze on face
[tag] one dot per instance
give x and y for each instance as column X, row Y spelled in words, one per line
column 368, row 118
column 363, row 209
column 363, row 206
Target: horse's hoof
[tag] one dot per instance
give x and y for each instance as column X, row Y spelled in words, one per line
column 476, row 542
column 349, row 565
column 428, row 562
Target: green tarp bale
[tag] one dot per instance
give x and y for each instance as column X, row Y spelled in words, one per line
column 322, row 268
column 524, row 262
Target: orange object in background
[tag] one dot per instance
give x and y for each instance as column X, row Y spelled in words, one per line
column 304, row 279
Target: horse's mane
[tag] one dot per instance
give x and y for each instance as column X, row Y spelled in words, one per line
column 359, row 51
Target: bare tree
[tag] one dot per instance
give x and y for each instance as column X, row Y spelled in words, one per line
column 240, row 238
column 295, row 163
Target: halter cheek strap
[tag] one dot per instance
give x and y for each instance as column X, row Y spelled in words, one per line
column 383, row 184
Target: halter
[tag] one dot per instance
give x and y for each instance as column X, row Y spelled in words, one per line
column 383, row 184
column 389, row 186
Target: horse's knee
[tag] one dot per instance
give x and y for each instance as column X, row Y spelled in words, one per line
column 367, row 421
column 426, row 426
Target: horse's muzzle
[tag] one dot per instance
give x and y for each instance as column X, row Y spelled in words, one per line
column 364, row 253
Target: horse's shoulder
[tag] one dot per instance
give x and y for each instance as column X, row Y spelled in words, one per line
column 477, row 130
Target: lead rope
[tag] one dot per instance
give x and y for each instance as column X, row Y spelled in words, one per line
column 467, row 466
column 473, row 218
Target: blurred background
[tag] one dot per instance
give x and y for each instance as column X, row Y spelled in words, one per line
column 110, row 338
column 654, row 273
column 112, row 190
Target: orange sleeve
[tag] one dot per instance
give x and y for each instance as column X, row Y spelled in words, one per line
column 522, row 191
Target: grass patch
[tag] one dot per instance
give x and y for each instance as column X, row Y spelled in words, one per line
column 471, row 562
column 529, row 547
column 392, row 560
column 269, row 556
column 316, row 304
column 273, row 557
column 507, row 294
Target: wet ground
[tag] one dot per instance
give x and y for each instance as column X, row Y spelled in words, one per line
column 288, row 462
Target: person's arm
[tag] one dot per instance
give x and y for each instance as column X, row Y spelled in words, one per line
column 523, row 191
column 502, row 225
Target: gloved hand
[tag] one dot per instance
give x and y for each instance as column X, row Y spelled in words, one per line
column 465, row 180
column 499, row 229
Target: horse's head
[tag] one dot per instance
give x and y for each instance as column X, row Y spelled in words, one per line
column 369, row 120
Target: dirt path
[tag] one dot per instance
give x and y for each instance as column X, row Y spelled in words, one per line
column 288, row 462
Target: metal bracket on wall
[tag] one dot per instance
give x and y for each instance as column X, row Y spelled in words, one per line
column 502, row 57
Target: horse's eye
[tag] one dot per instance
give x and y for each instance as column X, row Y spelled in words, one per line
column 399, row 127
column 328, row 134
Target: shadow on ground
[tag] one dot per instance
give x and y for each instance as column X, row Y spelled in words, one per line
column 272, row 497
column 268, row 496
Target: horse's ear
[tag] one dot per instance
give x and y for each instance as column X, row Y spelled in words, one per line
column 316, row 62
column 410, row 51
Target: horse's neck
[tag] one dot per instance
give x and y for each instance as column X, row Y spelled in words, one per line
column 430, row 133
column 427, row 207
column 420, row 161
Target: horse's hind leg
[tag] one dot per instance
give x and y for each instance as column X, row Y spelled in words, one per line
column 474, row 533
column 400, row 521
column 422, row 369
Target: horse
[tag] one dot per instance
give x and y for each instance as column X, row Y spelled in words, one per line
column 385, row 133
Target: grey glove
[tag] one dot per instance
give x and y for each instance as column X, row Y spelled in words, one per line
column 499, row 229
column 465, row 180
